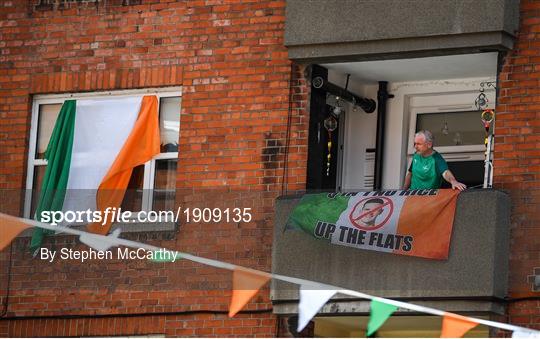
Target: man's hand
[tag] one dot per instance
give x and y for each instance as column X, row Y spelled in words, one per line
column 457, row 185
column 448, row 176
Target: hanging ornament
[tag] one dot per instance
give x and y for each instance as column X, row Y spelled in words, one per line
column 457, row 139
column 330, row 124
column 482, row 101
column 487, row 117
column 338, row 108
column 444, row 130
column 355, row 108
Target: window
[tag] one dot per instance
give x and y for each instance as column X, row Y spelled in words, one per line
column 152, row 185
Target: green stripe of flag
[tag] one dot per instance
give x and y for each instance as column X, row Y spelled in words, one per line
column 58, row 155
column 316, row 207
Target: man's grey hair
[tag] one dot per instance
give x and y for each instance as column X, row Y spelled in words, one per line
column 428, row 136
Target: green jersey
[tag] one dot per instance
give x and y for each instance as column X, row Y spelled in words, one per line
column 427, row 171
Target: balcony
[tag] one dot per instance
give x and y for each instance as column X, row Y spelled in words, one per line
column 472, row 280
column 365, row 30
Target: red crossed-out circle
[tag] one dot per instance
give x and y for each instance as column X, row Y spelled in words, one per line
column 358, row 209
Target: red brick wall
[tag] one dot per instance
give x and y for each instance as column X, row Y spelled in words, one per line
column 517, row 161
column 298, row 132
column 195, row 325
column 229, row 58
column 235, row 118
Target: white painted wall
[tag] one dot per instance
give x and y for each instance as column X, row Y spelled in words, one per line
column 361, row 134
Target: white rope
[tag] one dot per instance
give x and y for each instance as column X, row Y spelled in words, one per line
column 114, row 241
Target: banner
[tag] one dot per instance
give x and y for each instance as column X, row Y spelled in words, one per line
column 411, row 222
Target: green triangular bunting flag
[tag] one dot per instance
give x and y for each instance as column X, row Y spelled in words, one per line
column 379, row 313
column 168, row 256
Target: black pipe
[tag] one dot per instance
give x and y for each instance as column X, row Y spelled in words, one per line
column 368, row 105
column 382, row 96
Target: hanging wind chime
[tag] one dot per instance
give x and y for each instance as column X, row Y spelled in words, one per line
column 330, row 124
column 487, row 116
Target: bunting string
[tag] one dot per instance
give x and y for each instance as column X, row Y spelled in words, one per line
column 102, row 242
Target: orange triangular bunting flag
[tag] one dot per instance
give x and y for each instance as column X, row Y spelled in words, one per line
column 10, row 227
column 245, row 285
column 455, row 326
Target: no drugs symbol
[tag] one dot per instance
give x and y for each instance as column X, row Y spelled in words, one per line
column 371, row 213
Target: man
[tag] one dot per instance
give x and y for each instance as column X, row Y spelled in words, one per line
column 371, row 210
column 428, row 167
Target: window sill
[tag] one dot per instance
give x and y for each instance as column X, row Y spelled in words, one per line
column 132, row 227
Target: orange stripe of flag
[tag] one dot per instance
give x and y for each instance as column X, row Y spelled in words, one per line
column 10, row 227
column 245, row 286
column 141, row 145
column 429, row 220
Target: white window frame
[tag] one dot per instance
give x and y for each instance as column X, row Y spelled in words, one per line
column 149, row 167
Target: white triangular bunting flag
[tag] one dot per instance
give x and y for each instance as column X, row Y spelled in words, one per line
column 311, row 301
column 100, row 242
column 525, row 334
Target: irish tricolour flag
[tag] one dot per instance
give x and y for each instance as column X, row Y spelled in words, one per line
column 413, row 222
column 94, row 146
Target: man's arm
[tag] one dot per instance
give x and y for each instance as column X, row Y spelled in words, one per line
column 407, row 183
column 448, row 176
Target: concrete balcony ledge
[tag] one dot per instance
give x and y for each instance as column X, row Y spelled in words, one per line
column 474, row 278
column 353, row 30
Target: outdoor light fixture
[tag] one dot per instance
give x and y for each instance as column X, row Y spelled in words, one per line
column 338, row 108
column 368, row 105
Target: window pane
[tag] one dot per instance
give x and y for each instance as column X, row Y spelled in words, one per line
column 169, row 123
column 39, row 173
column 164, row 185
column 453, row 128
column 47, row 117
column 134, row 193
